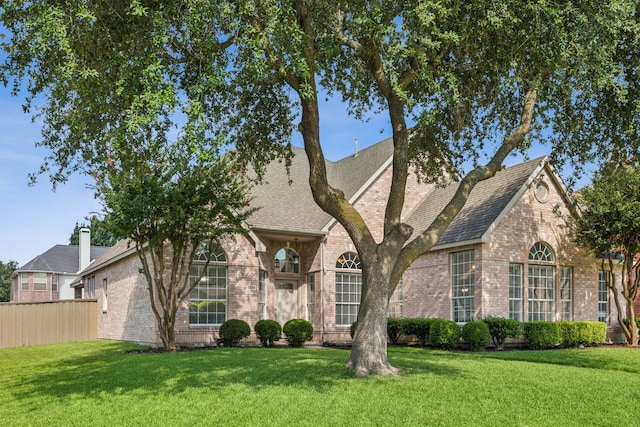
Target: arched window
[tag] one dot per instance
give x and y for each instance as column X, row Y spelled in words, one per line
column 541, row 287
column 208, row 299
column 287, row 261
column 541, row 252
column 348, row 260
column 348, row 288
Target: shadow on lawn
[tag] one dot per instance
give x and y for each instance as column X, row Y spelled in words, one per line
column 113, row 372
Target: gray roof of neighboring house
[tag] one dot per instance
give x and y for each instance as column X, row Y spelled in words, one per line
column 61, row 259
column 289, row 206
column 486, row 202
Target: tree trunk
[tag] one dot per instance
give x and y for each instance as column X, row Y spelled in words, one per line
column 369, row 350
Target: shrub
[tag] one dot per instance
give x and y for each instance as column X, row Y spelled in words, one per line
column 444, row 334
column 502, row 329
column 394, row 329
column 419, row 327
column 298, row 331
column 542, row 334
column 268, row 331
column 233, row 330
column 575, row 334
column 476, row 334
column 352, row 329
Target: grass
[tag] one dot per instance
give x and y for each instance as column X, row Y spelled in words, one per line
column 99, row 384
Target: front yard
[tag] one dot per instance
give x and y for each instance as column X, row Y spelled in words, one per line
column 99, row 384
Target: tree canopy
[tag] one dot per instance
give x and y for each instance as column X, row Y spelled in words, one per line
column 461, row 82
column 6, row 270
column 99, row 235
column 609, row 227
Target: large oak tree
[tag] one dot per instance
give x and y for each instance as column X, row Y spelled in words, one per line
column 458, row 81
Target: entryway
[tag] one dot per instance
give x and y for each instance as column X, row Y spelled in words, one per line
column 286, row 304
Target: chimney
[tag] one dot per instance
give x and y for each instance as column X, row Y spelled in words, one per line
column 85, row 248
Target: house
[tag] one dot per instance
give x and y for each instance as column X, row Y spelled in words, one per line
column 48, row 277
column 506, row 254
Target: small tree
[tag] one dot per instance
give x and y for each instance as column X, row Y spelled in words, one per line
column 609, row 228
column 6, row 270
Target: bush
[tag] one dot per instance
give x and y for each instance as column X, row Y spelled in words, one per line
column 352, row 329
column 394, row 329
column 444, row 334
column 298, row 331
column 542, row 334
column 268, row 331
column 476, row 334
column 419, row 327
column 502, row 329
column 574, row 334
column 233, row 330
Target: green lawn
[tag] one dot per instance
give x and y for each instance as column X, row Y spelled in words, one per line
column 99, row 384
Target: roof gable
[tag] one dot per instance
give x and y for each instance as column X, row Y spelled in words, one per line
column 486, row 204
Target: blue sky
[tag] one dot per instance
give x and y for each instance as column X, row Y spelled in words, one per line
column 35, row 218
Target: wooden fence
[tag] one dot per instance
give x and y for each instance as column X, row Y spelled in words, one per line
column 23, row 324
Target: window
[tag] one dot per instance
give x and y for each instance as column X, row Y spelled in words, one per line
column 603, row 296
column 39, row 281
column 462, row 282
column 208, row 298
column 262, row 294
column 395, row 302
column 24, row 280
column 287, row 261
column 104, row 294
column 541, row 287
column 54, row 283
column 348, row 288
column 566, row 293
column 541, row 283
column 515, row 291
column 91, row 287
column 311, row 295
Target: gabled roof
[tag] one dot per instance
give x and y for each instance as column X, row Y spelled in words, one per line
column 289, row 206
column 61, row 259
column 121, row 249
column 487, row 202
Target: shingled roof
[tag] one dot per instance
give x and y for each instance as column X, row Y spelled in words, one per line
column 61, row 259
column 486, row 202
column 289, row 206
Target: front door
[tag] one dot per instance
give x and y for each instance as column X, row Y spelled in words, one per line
column 286, row 301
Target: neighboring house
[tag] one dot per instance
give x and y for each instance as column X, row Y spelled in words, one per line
column 506, row 254
column 48, row 277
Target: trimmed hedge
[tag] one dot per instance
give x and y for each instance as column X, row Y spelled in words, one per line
column 395, row 326
column 543, row 335
column 419, row 327
column 268, row 331
column 502, row 329
column 298, row 331
column 444, row 334
column 476, row 334
column 352, row 329
column 233, row 330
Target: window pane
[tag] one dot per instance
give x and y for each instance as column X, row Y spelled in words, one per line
column 462, row 269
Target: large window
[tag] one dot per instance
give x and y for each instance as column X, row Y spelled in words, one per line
column 287, row 261
column 208, row 299
column 462, row 283
column 348, row 288
column 541, row 283
column 39, row 281
column 515, row 291
column 566, row 293
column 311, row 295
column 54, row 283
column 395, row 302
column 24, row 280
column 603, row 296
column 262, row 293
column 105, row 295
